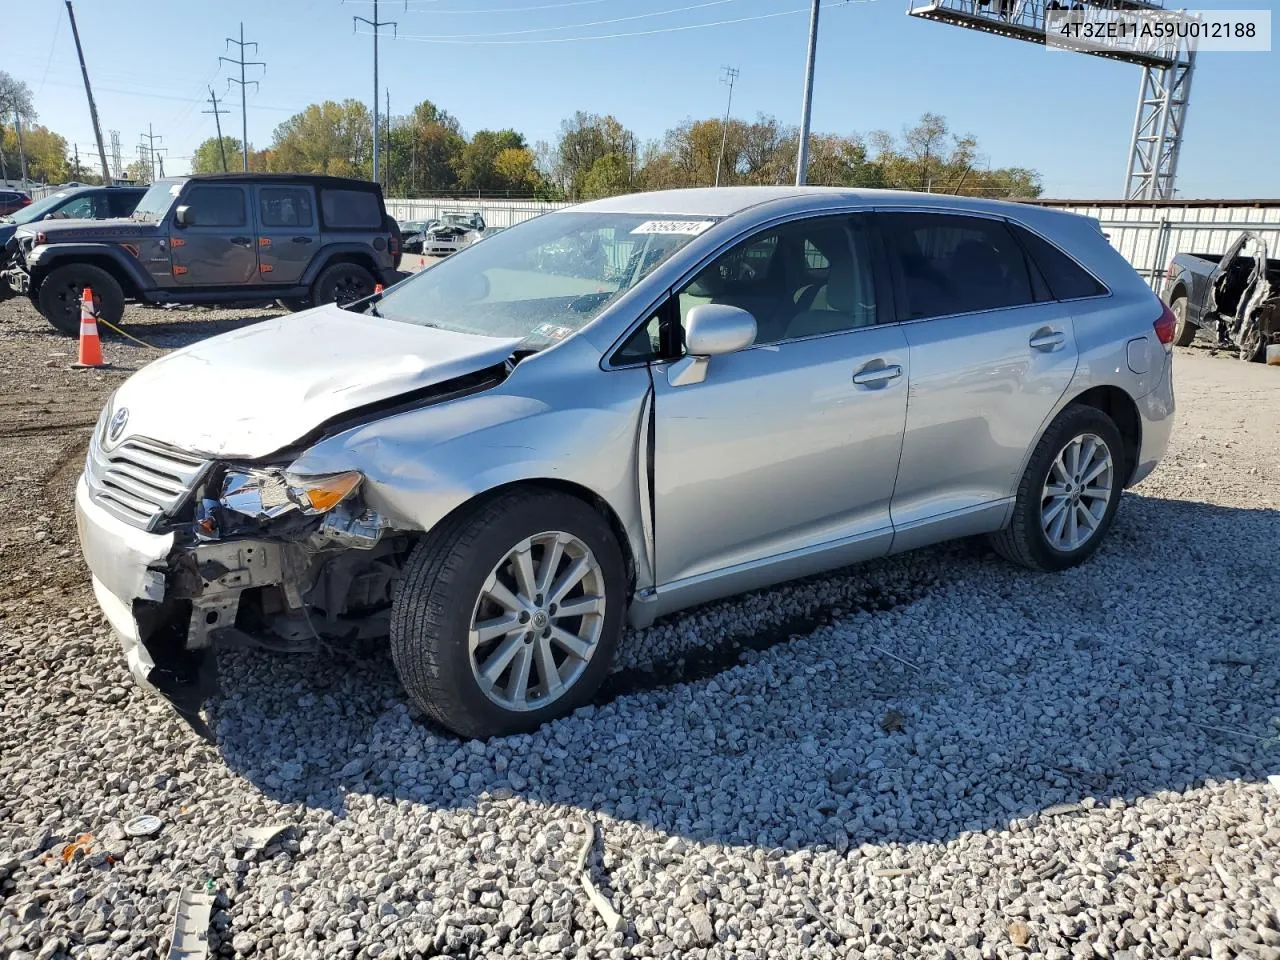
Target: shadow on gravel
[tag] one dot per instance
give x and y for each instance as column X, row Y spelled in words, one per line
column 183, row 326
column 988, row 695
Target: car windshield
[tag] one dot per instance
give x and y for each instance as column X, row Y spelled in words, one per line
column 541, row 280
column 38, row 209
column 156, row 201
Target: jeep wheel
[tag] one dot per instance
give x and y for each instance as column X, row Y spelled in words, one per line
column 342, row 283
column 60, row 293
column 508, row 615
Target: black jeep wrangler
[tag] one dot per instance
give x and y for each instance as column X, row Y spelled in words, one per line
column 228, row 238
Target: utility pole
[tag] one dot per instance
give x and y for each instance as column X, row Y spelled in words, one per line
column 22, row 150
column 386, row 187
column 77, row 175
column 802, row 157
column 217, row 122
column 242, row 63
column 730, row 75
column 151, row 139
column 88, row 91
column 376, row 24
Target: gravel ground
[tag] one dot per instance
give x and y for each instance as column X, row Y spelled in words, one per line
column 938, row 755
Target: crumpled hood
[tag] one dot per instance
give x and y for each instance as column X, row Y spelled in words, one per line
column 248, row 393
column 70, row 231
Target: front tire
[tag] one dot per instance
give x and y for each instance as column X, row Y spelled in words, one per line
column 1185, row 331
column 342, row 283
column 1068, row 495
column 59, row 297
column 508, row 615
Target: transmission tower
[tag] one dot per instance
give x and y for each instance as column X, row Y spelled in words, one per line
column 729, row 76
column 241, row 62
column 376, row 25
column 217, row 122
column 116, row 170
column 1164, row 93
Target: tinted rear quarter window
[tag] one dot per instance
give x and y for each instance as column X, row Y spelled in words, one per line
column 1067, row 280
column 950, row 263
column 350, row 209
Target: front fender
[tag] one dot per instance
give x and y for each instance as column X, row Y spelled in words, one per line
column 47, row 257
column 567, row 422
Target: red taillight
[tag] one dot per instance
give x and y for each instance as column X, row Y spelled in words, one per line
column 1166, row 325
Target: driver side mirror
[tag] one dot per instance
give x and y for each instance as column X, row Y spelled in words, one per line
column 711, row 329
column 183, row 216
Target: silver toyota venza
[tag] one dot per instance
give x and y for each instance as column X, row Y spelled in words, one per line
column 618, row 410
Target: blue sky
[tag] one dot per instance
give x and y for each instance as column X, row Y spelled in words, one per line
column 1067, row 115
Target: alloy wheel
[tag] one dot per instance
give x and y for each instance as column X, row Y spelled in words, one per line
column 537, row 621
column 1077, row 492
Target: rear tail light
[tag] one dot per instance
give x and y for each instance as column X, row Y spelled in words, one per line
column 1166, row 325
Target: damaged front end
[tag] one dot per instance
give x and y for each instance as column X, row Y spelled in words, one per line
column 247, row 555
column 1242, row 300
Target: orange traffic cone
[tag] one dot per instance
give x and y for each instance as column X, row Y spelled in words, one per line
column 377, row 288
column 90, row 345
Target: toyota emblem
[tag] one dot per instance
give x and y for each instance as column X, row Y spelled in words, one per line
column 117, row 424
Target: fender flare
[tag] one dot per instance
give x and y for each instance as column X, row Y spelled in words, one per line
column 59, row 255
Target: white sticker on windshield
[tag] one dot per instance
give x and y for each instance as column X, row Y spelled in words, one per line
column 684, row 227
column 175, row 189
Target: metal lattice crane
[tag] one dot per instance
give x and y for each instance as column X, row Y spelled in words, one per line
column 1163, row 97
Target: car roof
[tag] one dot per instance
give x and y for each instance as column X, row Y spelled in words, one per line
column 728, row 201
column 315, row 179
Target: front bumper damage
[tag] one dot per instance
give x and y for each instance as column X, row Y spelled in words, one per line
column 171, row 598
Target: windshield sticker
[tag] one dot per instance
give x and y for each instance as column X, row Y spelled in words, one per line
column 175, row 189
column 689, row 228
column 549, row 331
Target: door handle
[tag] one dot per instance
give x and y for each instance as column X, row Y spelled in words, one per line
column 865, row 377
column 1047, row 339
column 301, row 239
column 242, row 241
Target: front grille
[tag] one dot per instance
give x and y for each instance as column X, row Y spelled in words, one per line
column 141, row 481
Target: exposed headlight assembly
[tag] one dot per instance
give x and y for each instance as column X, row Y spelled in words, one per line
column 264, row 495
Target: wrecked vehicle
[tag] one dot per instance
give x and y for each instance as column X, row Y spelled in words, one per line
column 1232, row 297
column 451, row 233
column 496, row 465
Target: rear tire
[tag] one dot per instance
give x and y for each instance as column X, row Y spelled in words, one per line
column 447, row 629
column 342, row 283
column 1185, row 331
column 1034, row 537
column 59, row 297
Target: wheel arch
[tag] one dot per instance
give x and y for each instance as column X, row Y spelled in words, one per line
column 103, row 261
column 570, row 488
column 326, row 257
column 1123, row 411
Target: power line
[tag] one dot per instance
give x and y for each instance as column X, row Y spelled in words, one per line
column 589, row 23
column 242, row 63
column 377, row 25
column 631, row 33
column 730, row 77
column 217, row 122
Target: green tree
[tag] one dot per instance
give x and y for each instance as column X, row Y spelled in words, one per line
column 608, row 176
column 15, row 98
column 208, row 158
column 477, row 162
column 586, row 138
column 46, row 152
column 332, row 138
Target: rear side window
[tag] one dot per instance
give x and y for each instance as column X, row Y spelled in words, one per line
column 285, row 207
column 956, row 264
column 217, row 206
column 350, row 208
column 1067, row 280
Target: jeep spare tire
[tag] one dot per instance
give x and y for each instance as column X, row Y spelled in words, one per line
column 59, row 297
column 342, row 283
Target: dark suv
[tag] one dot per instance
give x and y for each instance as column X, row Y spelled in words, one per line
column 300, row 239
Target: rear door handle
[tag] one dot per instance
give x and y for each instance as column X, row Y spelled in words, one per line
column 1047, row 339
column 867, row 377
column 242, row 241
column 301, row 239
